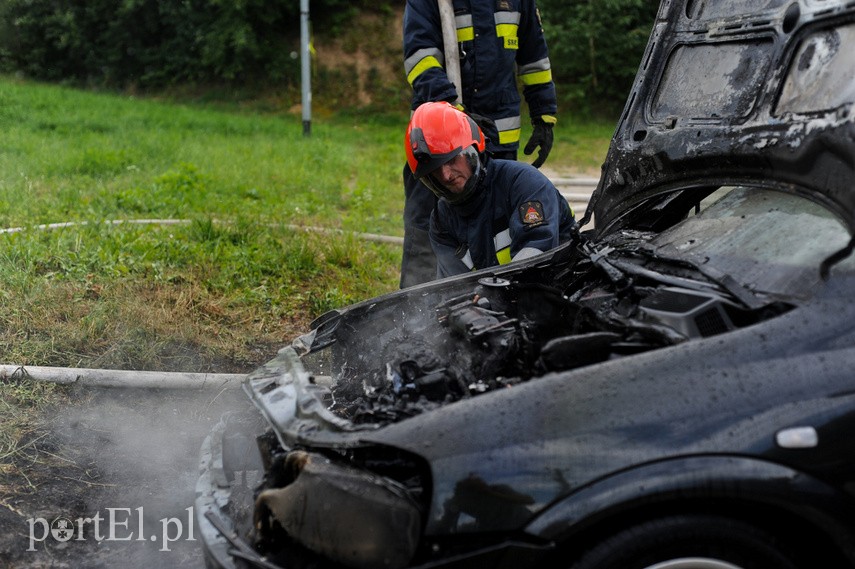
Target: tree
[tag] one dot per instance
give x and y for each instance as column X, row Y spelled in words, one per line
column 596, row 47
column 153, row 43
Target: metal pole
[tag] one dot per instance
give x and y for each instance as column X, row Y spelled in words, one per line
column 305, row 60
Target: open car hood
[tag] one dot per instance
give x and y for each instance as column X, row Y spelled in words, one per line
column 737, row 92
column 732, row 95
column 495, row 412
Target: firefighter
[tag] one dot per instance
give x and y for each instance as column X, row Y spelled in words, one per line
column 490, row 211
column 499, row 41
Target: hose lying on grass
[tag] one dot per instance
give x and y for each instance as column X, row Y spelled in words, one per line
column 122, row 378
column 309, row 229
column 146, row 379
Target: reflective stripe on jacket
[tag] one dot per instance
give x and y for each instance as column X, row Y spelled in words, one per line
column 518, row 213
column 498, row 41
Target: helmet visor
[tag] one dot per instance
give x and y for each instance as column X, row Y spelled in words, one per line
column 469, row 168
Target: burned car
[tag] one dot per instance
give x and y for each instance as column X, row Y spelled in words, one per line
column 671, row 389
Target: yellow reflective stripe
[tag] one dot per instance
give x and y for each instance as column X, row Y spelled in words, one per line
column 504, row 256
column 506, row 30
column 535, row 73
column 538, row 78
column 465, row 34
column 465, row 31
column 411, row 62
column 502, row 244
column 422, row 66
column 509, row 130
column 509, row 136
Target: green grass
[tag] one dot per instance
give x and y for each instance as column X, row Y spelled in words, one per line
column 580, row 145
column 233, row 275
column 229, row 284
column 232, row 278
column 78, row 155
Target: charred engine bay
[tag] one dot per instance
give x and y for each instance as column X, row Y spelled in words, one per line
column 592, row 308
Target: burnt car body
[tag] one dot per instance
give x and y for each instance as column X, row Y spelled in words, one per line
column 673, row 389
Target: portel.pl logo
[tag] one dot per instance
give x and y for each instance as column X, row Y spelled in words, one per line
column 115, row 524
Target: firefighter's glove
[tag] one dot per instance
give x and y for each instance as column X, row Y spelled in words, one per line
column 456, row 103
column 486, row 124
column 541, row 136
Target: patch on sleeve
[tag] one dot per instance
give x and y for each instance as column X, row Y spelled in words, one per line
column 531, row 214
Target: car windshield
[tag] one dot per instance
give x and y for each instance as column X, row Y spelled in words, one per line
column 769, row 241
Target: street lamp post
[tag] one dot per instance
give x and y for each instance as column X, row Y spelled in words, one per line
column 305, row 64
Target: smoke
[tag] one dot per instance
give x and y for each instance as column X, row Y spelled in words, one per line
column 130, row 456
column 136, row 454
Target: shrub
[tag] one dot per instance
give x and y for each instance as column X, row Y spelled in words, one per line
column 153, row 43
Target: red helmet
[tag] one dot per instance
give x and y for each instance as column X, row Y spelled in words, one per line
column 437, row 133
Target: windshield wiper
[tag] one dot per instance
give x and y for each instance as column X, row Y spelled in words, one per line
column 715, row 278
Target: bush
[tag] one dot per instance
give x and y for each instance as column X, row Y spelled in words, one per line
column 154, row 43
column 595, row 47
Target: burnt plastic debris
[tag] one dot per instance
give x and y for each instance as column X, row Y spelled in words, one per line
column 503, row 332
column 478, row 342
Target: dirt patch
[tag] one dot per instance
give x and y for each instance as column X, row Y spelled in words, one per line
column 355, row 72
column 108, row 480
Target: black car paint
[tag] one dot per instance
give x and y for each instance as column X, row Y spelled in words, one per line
column 711, row 403
column 701, row 397
column 696, row 421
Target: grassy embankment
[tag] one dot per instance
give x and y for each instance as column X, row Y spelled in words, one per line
column 223, row 289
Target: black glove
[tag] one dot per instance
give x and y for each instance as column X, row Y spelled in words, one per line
column 487, row 125
column 541, row 136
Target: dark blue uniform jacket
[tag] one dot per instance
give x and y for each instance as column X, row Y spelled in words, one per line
column 516, row 211
column 493, row 36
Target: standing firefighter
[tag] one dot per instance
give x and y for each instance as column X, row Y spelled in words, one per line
column 490, row 211
column 498, row 41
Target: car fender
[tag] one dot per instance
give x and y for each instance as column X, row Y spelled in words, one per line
column 680, row 481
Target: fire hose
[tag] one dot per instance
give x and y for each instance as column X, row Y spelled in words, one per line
column 121, row 378
column 449, row 44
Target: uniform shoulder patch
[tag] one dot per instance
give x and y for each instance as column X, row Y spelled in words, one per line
column 531, row 213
